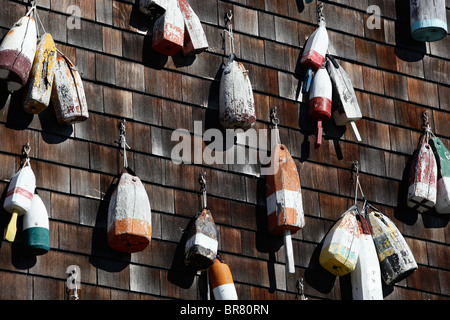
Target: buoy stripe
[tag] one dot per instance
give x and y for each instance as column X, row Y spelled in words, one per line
column 202, row 240
column 225, row 292
column 21, row 191
column 286, row 199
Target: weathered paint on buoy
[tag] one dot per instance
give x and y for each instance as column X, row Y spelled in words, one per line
column 68, row 95
column 366, row 278
column 129, row 223
column 314, row 53
column 320, row 99
column 341, row 246
column 36, row 227
column 201, row 245
column 221, row 281
column 442, row 156
column 17, row 52
column 396, row 259
column 194, row 37
column 344, row 97
column 428, row 20
column 18, row 198
column 168, row 30
column 236, row 101
column 41, row 77
column 284, row 200
column 422, row 188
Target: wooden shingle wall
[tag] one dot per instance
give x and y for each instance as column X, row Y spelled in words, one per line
column 395, row 80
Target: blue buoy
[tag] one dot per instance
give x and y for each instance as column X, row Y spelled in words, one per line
column 428, row 20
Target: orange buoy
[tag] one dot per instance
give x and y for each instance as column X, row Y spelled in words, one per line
column 221, row 280
column 284, row 197
column 168, row 30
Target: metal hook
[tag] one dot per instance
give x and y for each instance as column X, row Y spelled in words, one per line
column 202, row 182
column 26, row 150
column 228, row 17
column 273, row 116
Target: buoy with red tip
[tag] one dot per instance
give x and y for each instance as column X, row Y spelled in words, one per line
column 19, row 195
column 194, row 37
column 422, row 189
column 344, row 97
column 42, row 75
column 315, row 50
column 201, row 246
column 168, row 30
column 221, row 280
column 320, row 98
column 68, row 96
column 17, row 52
column 36, row 227
column 284, row 197
column 442, row 156
column 129, row 224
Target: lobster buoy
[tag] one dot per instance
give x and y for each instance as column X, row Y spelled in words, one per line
column 428, row 20
column 42, row 75
column 320, row 99
column 168, row 30
column 68, row 96
column 129, row 222
column 442, row 156
column 341, row 246
column 366, row 278
column 314, row 53
column 236, row 101
column 221, row 280
column 36, row 227
column 284, row 200
column 17, row 52
column 396, row 259
column 18, row 198
column 153, row 8
column 344, row 97
column 422, row 188
column 194, row 37
column 201, row 245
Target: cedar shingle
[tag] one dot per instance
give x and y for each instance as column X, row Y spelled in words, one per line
column 423, row 92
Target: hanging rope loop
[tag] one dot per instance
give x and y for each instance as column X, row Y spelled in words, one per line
column 229, row 24
column 202, row 182
column 26, row 153
column 320, row 15
column 355, row 167
column 123, row 142
column 275, row 121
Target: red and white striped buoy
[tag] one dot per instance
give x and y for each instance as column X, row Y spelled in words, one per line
column 221, row 280
column 42, row 75
column 194, row 37
column 17, row 52
column 18, row 198
column 168, row 30
column 320, row 98
column 68, row 97
column 315, row 50
column 284, row 200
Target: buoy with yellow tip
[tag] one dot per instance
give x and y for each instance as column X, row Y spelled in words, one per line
column 221, row 280
column 17, row 52
column 19, row 196
column 41, row 77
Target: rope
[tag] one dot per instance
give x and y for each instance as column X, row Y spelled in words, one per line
column 228, row 18
column 202, row 181
column 123, row 142
column 275, row 121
